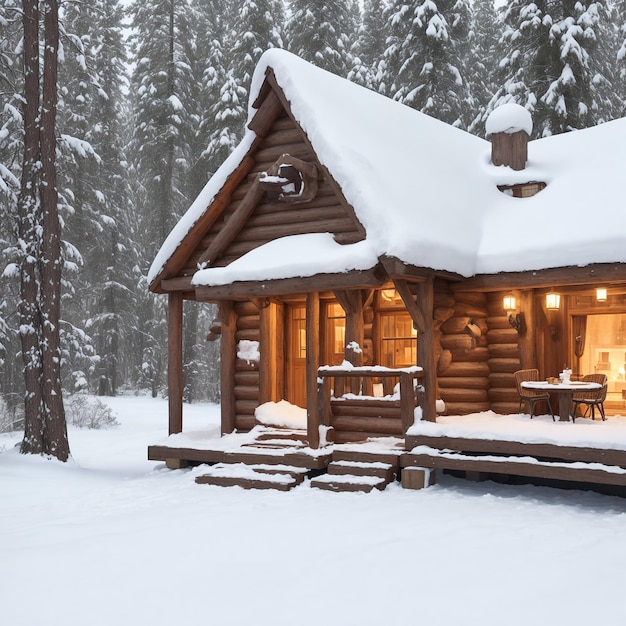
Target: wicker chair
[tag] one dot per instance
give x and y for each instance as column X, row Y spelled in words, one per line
column 531, row 396
column 592, row 398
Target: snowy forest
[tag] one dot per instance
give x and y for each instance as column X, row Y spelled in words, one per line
column 152, row 96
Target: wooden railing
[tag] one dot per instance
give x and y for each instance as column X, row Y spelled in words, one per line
column 347, row 402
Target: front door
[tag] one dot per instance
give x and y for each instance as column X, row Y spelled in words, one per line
column 295, row 361
column 332, row 346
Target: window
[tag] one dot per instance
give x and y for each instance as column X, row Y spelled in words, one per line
column 398, row 340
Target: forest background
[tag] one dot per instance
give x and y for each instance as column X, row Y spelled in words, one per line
column 152, row 97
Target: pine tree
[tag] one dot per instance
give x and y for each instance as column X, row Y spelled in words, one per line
column 322, row 33
column 369, row 47
column 553, row 62
column 483, row 38
column 40, row 262
column 99, row 222
column 425, row 53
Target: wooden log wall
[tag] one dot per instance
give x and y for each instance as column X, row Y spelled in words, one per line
column 272, row 220
column 504, row 358
column 246, row 388
column 462, row 368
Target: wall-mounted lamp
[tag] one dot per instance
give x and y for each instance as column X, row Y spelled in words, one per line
column 517, row 321
column 553, row 301
column 601, row 295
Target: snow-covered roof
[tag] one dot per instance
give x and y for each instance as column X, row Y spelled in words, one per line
column 427, row 192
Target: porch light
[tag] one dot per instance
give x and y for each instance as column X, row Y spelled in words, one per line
column 601, row 295
column 553, row 301
column 509, row 304
column 517, row 321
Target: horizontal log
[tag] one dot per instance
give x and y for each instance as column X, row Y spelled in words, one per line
column 463, row 309
column 502, row 379
column 496, row 322
column 378, row 425
column 502, row 335
column 444, row 361
column 246, row 307
column 443, row 299
column 503, row 394
column 478, row 355
column 475, row 298
column 463, row 395
column 465, row 408
column 302, row 226
column 443, row 313
column 504, row 350
column 467, row 368
column 503, row 365
column 246, row 407
column 463, row 382
column 352, row 436
column 505, row 408
column 281, row 137
column 250, row 378
column 455, row 325
column 246, row 366
column 458, row 342
column 297, row 149
column 340, row 409
column 244, row 423
column 246, row 322
column 247, row 392
column 249, row 334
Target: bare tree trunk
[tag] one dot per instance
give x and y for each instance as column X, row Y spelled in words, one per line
column 45, row 427
column 29, row 211
column 51, row 261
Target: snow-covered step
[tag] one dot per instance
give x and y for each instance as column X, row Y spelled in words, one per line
column 278, row 477
column 348, row 482
column 361, row 468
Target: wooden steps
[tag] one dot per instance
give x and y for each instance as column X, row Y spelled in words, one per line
column 355, row 470
column 277, row 477
column 531, row 467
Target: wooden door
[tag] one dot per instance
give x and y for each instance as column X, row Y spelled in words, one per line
column 295, row 361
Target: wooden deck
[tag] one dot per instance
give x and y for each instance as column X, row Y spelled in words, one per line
column 585, row 453
column 583, row 460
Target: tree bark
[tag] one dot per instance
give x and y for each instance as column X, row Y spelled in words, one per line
column 45, row 426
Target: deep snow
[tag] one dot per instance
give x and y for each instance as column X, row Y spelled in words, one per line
column 111, row 538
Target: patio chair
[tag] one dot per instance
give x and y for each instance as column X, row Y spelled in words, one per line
column 531, row 396
column 592, row 398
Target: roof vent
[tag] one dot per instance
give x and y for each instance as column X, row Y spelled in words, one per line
column 510, row 126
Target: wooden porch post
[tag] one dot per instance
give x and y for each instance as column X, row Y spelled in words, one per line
column 312, row 364
column 228, row 354
column 426, row 349
column 352, row 303
column 175, row 361
column 527, row 343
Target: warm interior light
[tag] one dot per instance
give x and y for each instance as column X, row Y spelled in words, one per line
column 389, row 295
column 508, row 303
column 553, row 301
column 601, row 295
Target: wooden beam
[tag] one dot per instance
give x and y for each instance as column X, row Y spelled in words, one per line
column 268, row 110
column 233, row 225
column 199, row 230
column 286, row 286
column 180, row 283
column 228, row 354
column 175, row 361
column 312, row 365
column 426, row 350
column 402, row 287
column 571, row 275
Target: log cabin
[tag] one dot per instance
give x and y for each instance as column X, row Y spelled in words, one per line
column 357, row 246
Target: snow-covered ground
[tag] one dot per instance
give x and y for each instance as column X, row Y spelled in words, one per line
column 111, row 538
